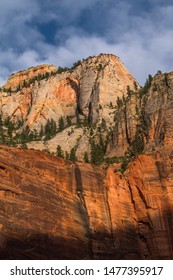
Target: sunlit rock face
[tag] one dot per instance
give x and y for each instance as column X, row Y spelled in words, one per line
column 21, row 78
column 88, row 92
column 52, row 209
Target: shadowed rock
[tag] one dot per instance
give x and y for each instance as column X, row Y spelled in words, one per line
column 52, row 209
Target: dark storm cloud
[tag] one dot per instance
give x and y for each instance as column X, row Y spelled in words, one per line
column 60, row 32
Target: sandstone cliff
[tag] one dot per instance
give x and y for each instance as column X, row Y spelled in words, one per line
column 87, row 93
column 22, row 78
column 52, row 209
column 120, row 209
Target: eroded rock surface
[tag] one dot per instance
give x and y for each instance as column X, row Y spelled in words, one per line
column 88, row 93
column 55, row 209
column 52, row 209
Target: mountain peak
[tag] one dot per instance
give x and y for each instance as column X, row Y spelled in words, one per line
column 84, row 96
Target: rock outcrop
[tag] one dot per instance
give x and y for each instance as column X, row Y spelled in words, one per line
column 22, row 78
column 56, row 209
column 87, row 93
column 157, row 109
column 52, row 209
column 90, row 88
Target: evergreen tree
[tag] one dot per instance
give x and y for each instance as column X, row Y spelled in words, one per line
column 147, row 84
column 69, row 122
column 128, row 91
column 86, row 159
column 59, row 152
column 50, row 129
column 97, row 153
column 46, row 75
column 7, row 121
column 111, row 105
column 19, row 124
column 75, row 64
column 72, row 156
column 1, row 121
column 101, row 142
column 53, row 127
column 2, row 137
column 61, row 124
column 47, row 130
column 10, row 129
column 25, row 83
column 119, row 102
column 135, row 86
column 66, row 155
column 41, row 133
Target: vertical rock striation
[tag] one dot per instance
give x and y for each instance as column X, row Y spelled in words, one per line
column 52, row 209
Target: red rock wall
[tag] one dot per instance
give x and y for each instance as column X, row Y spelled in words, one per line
column 52, row 209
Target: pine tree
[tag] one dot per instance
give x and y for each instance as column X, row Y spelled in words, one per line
column 59, row 152
column 60, row 124
column 128, row 91
column 72, row 156
column 86, row 159
column 24, row 83
column 66, row 155
column 53, row 128
column 41, row 133
column 97, row 153
column 1, row 121
column 68, row 119
column 78, row 121
column 47, row 127
column 2, row 137
column 135, row 86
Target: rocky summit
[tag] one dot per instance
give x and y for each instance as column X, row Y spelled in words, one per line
column 86, row 163
column 64, row 106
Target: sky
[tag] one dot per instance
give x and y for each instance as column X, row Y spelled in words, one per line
column 60, row 32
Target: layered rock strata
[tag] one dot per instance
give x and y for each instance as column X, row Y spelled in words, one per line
column 86, row 93
column 52, row 209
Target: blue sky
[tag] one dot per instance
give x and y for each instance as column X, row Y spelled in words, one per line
column 60, row 32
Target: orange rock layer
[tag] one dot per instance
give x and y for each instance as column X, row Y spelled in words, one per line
column 52, row 209
column 17, row 79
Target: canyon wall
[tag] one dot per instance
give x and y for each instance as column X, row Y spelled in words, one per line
column 52, row 209
column 120, row 208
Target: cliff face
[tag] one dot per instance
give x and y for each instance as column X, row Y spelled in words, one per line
column 91, row 87
column 52, row 209
column 21, row 78
column 158, row 110
column 144, row 118
column 87, row 93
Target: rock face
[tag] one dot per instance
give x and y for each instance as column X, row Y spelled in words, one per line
column 52, row 209
column 88, row 93
column 145, row 118
column 90, row 87
column 158, row 110
column 56, row 209
column 17, row 80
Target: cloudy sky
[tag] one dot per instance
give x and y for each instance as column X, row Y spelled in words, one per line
column 60, row 32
